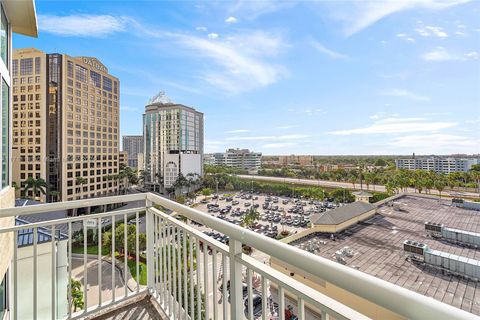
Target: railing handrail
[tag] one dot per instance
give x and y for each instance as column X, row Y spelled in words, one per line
column 404, row 302
column 65, row 205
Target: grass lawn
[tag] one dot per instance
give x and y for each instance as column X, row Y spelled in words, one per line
column 142, row 271
column 91, row 250
column 132, row 266
column 131, row 261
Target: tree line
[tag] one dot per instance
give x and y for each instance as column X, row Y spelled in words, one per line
column 394, row 179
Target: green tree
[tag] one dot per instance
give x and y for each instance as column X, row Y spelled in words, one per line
column 77, row 295
column 206, row 192
column 342, row 195
column 80, row 181
column 38, row 186
column 54, row 195
column 250, row 217
column 180, row 199
column 440, row 185
column 380, row 162
column 229, row 187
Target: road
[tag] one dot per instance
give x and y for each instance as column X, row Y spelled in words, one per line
column 348, row 185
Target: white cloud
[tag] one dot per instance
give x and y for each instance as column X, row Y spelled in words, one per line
column 269, row 138
column 405, row 94
column 322, row 49
column 471, row 55
column 308, row 111
column 397, row 125
column 248, row 9
column 203, row 29
column 213, row 35
column 473, row 121
column 278, row 145
column 238, row 131
column 436, row 143
column 441, row 54
column 128, row 109
column 362, row 14
column 214, row 142
column 231, row 19
column 405, row 37
column 82, row 25
column 238, row 62
column 427, row 31
column 287, row 127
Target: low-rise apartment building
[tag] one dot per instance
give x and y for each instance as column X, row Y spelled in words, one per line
column 437, row 164
column 239, row 159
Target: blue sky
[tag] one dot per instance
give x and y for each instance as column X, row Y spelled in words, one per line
column 303, row 77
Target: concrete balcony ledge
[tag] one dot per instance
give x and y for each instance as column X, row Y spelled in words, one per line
column 141, row 307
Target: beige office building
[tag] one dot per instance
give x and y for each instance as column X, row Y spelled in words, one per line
column 65, row 124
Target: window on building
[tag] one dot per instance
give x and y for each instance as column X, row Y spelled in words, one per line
column 26, row 66
column 96, row 79
column 107, row 84
column 80, row 73
column 70, row 69
column 37, row 65
column 15, row 69
column 3, row 295
column 5, row 131
column 4, row 38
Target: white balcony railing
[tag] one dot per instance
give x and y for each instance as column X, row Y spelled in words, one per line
column 189, row 275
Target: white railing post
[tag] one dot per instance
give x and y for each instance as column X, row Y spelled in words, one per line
column 236, row 292
column 150, row 245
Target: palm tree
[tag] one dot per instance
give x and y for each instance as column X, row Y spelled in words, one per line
column 141, row 177
column 38, row 186
column 250, row 217
column 54, row 195
column 80, row 181
column 440, row 185
column 181, row 181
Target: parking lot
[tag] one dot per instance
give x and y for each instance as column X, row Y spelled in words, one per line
column 276, row 214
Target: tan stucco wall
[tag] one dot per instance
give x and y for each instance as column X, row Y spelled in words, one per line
column 7, row 200
column 351, row 300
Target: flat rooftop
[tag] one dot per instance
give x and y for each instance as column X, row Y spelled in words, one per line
column 377, row 244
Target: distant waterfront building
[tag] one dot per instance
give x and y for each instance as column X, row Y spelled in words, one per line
column 65, row 124
column 239, row 159
column 437, row 164
column 173, row 141
column 133, row 145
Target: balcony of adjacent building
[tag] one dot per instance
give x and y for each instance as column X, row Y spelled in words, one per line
column 158, row 265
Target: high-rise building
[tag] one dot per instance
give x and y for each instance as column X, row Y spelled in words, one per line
column 240, row 159
column 15, row 17
column 437, row 164
column 65, row 124
column 173, row 141
column 123, row 158
column 133, row 145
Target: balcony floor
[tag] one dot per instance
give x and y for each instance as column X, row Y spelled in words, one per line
column 140, row 309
